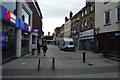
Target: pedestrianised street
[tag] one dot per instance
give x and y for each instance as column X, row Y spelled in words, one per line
column 68, row 64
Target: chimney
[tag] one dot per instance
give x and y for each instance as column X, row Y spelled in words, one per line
column 48, row 33
column 71, row 14
column 66, row 19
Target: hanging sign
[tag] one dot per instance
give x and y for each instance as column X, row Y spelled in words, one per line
column 34, row 30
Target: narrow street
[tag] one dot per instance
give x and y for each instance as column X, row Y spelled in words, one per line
column 68, row 64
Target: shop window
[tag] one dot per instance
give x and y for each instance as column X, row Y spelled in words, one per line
column 11, row 30
column 107, row 17
column 118, row 13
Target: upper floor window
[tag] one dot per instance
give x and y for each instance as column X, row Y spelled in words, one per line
column 82, row 13
column 91, row 23
column 107, row 17
column 118, row 13
column 85, row 11
column 11, row 6
column 25, row 16
column 85, row 23
column 91, row 8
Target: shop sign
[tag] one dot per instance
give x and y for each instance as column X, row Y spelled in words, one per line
column 117, row 34
column 87, row 33
column 34, row 30
column 77, row 29
column 10, row 17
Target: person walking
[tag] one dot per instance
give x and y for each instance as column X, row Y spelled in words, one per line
column 44, row 48
column 33, row 48
column 39, row 48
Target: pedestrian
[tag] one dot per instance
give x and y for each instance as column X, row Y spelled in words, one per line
column 44, row 48
column 39, row 48
column 33, row 48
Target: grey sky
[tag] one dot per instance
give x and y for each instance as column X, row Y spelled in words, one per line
column 54, row 12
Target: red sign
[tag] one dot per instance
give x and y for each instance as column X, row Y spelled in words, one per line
column 7, row 15
column 28, row 28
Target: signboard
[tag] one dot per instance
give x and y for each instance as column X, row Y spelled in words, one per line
column 34, row 30
column 77, row 29
column 10, row 17
column 117, row 34
column 87, row 33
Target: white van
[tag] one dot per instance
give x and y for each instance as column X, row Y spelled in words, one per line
column 66, row 44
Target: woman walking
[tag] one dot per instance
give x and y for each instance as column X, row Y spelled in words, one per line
column 44, row 48
column 39, row 48
column 33, row 48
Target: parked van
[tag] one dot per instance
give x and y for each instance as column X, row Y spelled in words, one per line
column 66, row 44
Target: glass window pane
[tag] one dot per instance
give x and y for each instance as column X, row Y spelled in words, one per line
column 11, row 6
column 25, row 16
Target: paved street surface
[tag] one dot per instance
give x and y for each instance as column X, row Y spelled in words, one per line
column 68, row 64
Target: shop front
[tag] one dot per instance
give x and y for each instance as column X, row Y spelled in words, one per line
column 108, row 43
column 11, row 38
column 24, row 42
column 8, row 41
column 86, row 40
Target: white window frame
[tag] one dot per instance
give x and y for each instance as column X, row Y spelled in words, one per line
column 86, row 12
column 105, row 17
column 91, row 7
column 117, row 14
column 82, row 13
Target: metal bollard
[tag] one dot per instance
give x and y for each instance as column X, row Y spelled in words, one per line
column 84, row 57
column 53, row 63
column 38, row 64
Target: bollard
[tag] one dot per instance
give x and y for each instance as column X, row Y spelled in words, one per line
column 38, row 64
column 53, row 63
column 84, row 57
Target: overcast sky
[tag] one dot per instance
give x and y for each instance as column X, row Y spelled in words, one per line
column 54, row 12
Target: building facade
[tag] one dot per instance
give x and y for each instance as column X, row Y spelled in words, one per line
column 107, row 18
column 62, row 31
column 17, row 30
column 82, row 24
column 67, row 28
column 56, row 35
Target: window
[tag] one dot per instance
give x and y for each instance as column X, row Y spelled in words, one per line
column 25, row 16
column 107, row 17
column 11, row 6
column 118, row 14
column 82, row 25
column 85, row 23
column 91, row 8
column 85, row 11
column 91, row 26
column 82, row 14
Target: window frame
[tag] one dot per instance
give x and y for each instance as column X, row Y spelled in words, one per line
column 117, row 14
column 29, row 16
column 105, row 17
